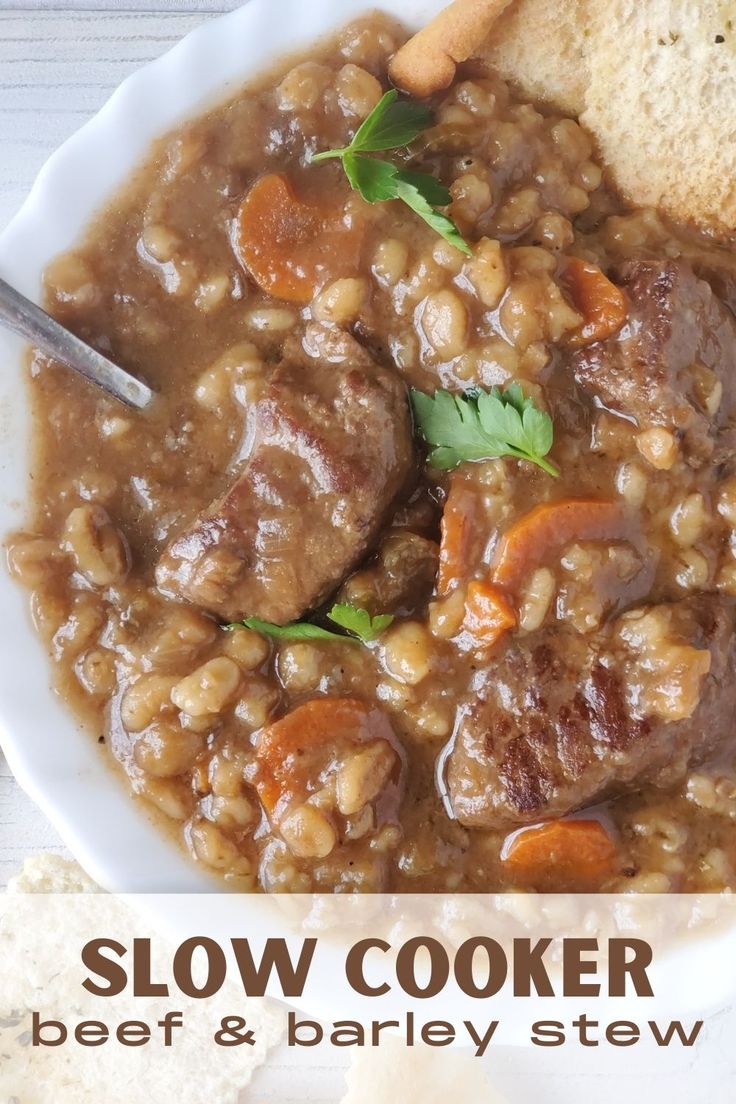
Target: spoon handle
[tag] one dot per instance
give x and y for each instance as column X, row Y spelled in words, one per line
column 33, row 324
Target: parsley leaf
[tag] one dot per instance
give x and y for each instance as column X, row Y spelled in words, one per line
column 433, row 190
column 297, row 630
column 394, row 123
column 410, row 189
column 375, row 180
column 481, row 425
column 391, row 123
column 359, row 622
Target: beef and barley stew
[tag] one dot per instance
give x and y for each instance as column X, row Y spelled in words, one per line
column 420, row 572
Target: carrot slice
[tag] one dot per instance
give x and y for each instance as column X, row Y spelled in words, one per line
column 488, row 614
column 285, row 749
column 577, row 850
column 546, row 530
column 291, row 247
column 601, row 303
column 457, row 531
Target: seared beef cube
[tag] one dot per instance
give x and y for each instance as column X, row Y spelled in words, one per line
column 331, row 451
column 400, row 580
column 562, row 720
column 673, row 362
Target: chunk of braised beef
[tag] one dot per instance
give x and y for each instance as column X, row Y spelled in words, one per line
column 331, row 450
column 672, row 363
column 400, row 579
column 560, row 720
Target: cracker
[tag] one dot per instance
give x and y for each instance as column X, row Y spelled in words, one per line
column 435, row 1076
column 53, row 892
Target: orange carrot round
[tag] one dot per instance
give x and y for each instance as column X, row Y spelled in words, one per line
column 581, row 851
column 291, row 247
column 457, row 523
column 601, row 303
column 283, row 748
column 547, row 529
column 488, row 614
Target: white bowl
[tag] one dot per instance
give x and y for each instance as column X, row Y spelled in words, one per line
column 58, row 764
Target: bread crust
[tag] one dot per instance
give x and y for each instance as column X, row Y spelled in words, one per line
column 426, row 63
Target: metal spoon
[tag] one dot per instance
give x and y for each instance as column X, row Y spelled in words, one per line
column 30, row 322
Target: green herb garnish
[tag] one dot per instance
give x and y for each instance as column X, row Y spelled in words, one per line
column 391, row 123
column 394, row 123
column 481, row 425
column 297, row 630
column 358, row 622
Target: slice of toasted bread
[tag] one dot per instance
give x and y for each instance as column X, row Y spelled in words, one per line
column 655, row 84
column 538, row 46
column 661, row 103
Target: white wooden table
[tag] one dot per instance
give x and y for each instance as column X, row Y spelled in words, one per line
column 59, row 62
